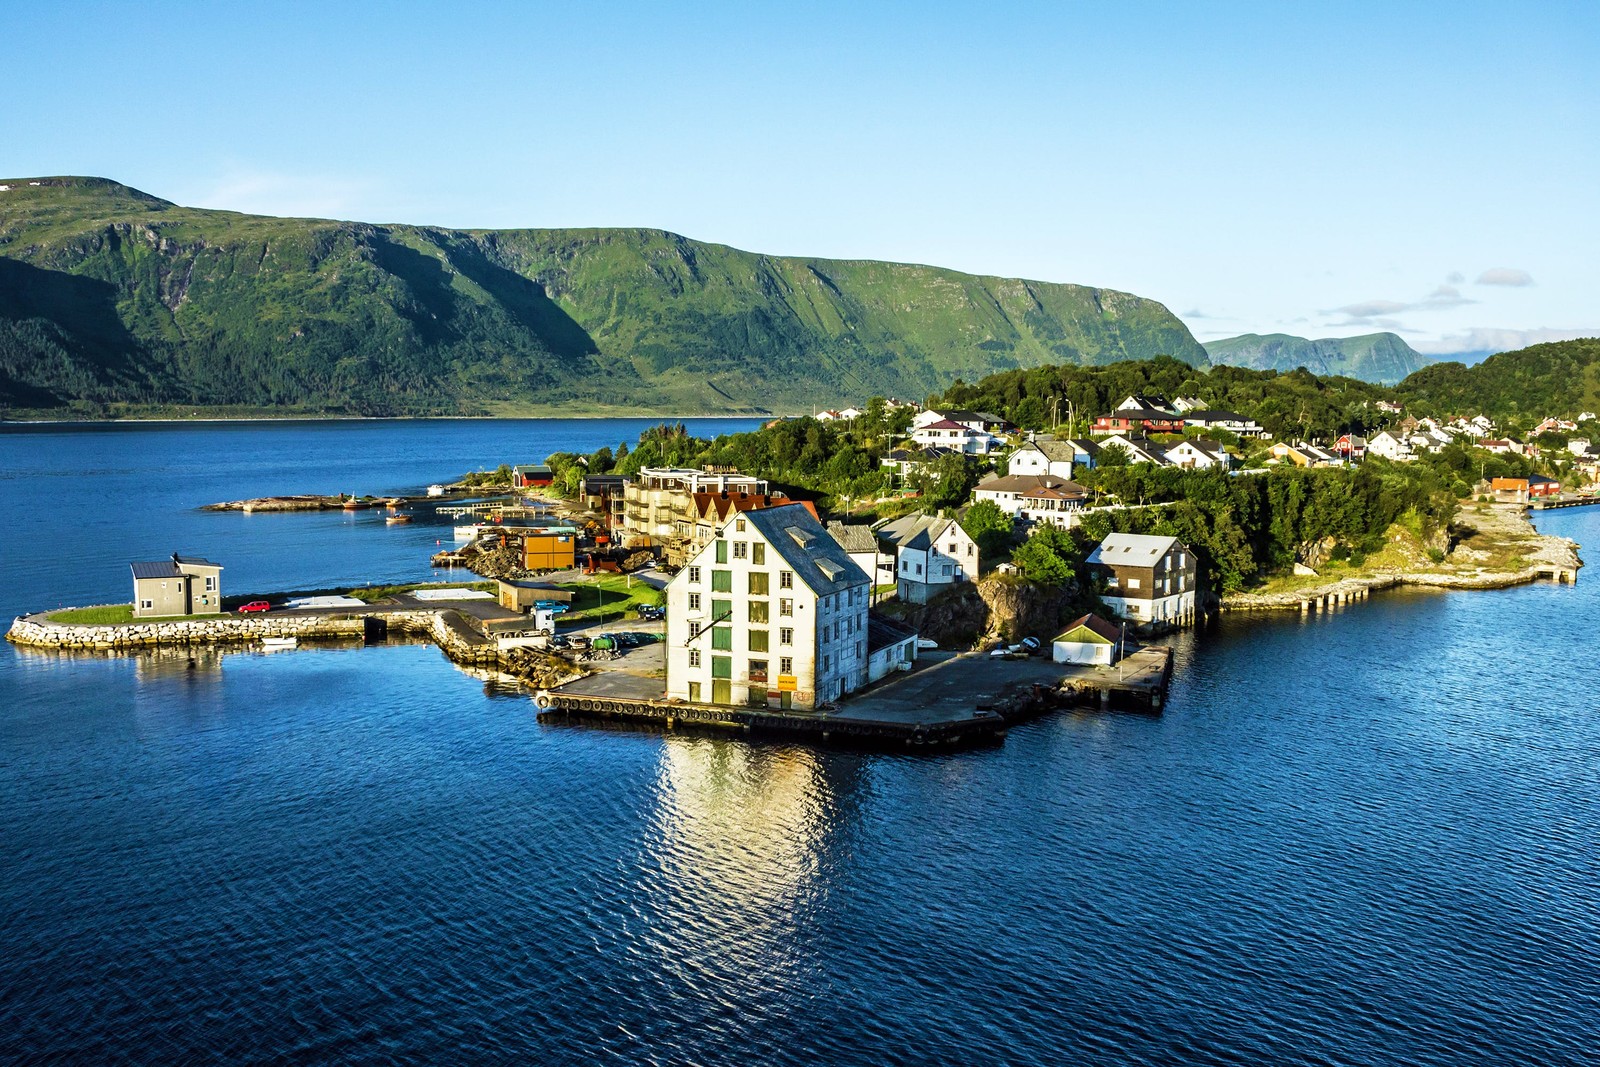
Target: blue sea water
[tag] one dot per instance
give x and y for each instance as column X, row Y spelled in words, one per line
column 1367, row 837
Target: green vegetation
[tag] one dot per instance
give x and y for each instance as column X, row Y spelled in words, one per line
column 1376, row 357
column 990, row 527
column 113, row 301
column 1296, row 404
column 1516, row 389
column 104, row 615
column 1047, row 555
column 609, row 596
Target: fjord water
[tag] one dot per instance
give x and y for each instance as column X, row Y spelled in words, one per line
column 1360, row 838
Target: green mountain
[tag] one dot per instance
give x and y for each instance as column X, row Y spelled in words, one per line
column 1375, row 357
column 1559, row 379
column 114, row 301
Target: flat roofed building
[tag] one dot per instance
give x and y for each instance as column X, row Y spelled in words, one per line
column 181, row 585
column 772, row 612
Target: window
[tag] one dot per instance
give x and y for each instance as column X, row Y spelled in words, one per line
column 786, row 579
column 722, row 666
column 694, row 601
column 758, row 640
column 785, row 606
column 739, row 525
column 741, row 549
column 785, row 635
column 721, row 610
column 722, row 638
column 694, row 575
column 694, row 657
column 694, row 629
column 919, row 570
column 694, row 692
column 758, row 671
column 785, row 665
column 1133, row 583
column 722, row 551
column 951, row 551
column 861, row 650
column 211, row 583
column 758, row 553
column 969, row 551
column 758, row 583
column 947, row 570
column 147, row 603
column 824, row 664
column 758, row 611
column 722, row 581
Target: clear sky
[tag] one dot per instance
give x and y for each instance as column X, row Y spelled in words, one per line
column 1320, row 169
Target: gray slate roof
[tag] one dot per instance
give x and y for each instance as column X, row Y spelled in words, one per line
column 816, row 559
column 855, row 539
column 916, row 532
column 168, row 568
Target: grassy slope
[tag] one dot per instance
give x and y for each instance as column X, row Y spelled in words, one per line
column 1376, row 357
column 111, row 296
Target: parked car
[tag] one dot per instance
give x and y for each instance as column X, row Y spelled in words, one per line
column 254, row 605
column 652, row 612
column 555, row 607
column 1032, row 645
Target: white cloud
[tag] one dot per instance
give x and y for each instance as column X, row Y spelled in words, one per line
column 1505, row 276
column 1382, row 312
column 1490, row 339
column 1455, row 277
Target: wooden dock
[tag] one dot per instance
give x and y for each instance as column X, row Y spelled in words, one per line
column 1569, row 502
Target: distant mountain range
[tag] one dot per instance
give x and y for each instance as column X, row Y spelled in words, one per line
column 115, row 301
column 1374, row 357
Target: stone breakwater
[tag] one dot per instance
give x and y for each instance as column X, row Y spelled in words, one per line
column 456, row 638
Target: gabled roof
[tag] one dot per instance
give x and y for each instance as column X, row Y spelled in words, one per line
column 163, row 568
column 531, row 468
column 856, row 539
column 817, row 560
column 916, row 532
column 1201, row 444
column 944, row 424
column 1215, row 416
column 719, row 506
column 1095, row 625
column 1132, row 550
column 883, row 631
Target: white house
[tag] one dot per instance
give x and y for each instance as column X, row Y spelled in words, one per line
column 1052, row 455
column 931, row 555
column 1007, row 493
column 957, row 437
column 1223, row 420
column 1139, row 449
column 1198, row 453
column 1149, row 579
column 771, row 613
column 1390, row 447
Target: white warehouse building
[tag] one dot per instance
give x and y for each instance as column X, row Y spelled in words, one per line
column 771, row 613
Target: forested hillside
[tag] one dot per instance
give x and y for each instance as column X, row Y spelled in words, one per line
column 113, row 300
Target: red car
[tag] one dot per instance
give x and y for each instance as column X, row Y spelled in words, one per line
column 254, row 605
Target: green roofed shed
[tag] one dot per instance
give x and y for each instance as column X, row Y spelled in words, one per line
column 1090, row 639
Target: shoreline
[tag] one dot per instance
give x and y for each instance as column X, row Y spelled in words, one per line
column 1554, row 558
column 113, row 420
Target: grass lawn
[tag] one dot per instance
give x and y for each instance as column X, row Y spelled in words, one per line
column 606, row 596
column 110, row 614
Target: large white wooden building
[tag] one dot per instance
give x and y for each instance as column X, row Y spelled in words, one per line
column 771, row 613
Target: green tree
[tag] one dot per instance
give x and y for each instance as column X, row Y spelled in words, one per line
column 988, row 525
column 1046, row 556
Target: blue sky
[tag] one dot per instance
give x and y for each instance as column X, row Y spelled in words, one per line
column 1316, row 169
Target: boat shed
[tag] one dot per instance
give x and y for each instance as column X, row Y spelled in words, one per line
column 1090, row 639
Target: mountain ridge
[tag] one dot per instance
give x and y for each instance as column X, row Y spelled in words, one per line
column 1383, row 358
column 114, row 299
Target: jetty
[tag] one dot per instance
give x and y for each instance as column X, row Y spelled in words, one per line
column 951, row 701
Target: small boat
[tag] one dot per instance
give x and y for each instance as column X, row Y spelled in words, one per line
column 395, row 520
column 277, row 644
